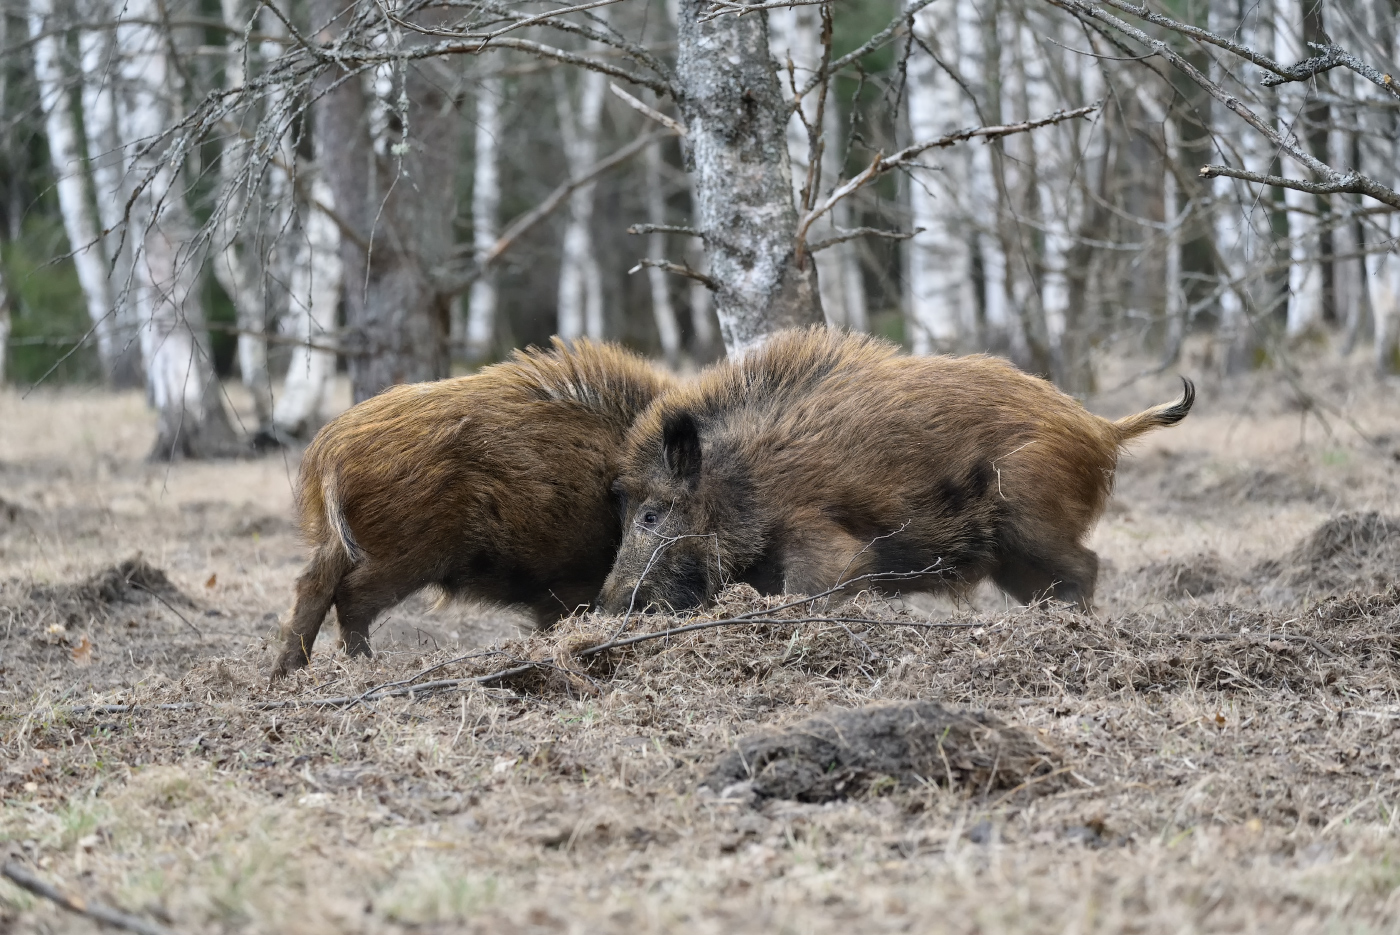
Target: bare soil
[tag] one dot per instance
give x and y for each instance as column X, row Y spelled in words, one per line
column 1214, row 750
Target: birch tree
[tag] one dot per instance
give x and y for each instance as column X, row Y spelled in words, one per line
column 663, row 312
column 66, row 155
column 317, row 277
column 107, row 166
column 1305, row 275
column 799, row 42
column 235, row 255
column 486, row 201
column 580, row 281
column 939, row 275
column 179, row 374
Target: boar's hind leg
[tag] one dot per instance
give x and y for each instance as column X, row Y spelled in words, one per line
column 315, row 593
column 363, row 595
column 1069, row 575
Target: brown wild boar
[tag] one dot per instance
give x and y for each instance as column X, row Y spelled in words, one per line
column 495, row 486
column 822, row 457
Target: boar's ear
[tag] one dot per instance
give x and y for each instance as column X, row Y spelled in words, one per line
column 680, row 444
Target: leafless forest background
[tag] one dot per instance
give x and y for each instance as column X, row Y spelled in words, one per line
column 264, row 192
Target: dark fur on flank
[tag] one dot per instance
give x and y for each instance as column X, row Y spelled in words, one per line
column 822, row 457
column 496, row 485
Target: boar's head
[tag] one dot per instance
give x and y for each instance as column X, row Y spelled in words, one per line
column 686, row 506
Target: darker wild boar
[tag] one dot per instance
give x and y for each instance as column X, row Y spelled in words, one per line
column 495, row 486
column 823, row 457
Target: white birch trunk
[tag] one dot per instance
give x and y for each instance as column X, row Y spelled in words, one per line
column 1232, row 204
column 736, row 151
column 316, row 280
column 1348, row 271
column 107, row 165
column 234, row 261
column 66, row 156
column 939, row 261
column 794, row 35
column 702, row 315
column 667, row 329
column 486, row 203
column 1304, row 271
column 1059, row 174
column 580, row 281
column 4, row 323
column 981, row 193
column 179, row 376
column 1380, row 159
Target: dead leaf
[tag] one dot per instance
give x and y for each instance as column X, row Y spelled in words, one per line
column 82, row 652
column 1220, row 719
column 213, row 580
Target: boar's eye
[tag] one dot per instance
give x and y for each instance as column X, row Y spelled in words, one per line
column 650, row 518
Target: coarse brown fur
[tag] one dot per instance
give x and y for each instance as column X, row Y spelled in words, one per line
column 824, row 457
column 495, row 485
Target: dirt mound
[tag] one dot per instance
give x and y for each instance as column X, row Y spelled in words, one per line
column 1187, row 578
column 842, row 754
column 1349, row 552
column 134, row 581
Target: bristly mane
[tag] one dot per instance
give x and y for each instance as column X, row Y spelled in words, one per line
column 791, row 364
column 602, row 377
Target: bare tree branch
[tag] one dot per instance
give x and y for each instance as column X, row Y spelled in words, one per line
column 675, row 126
column 1352, row 183
column 1332, row 56
column 906, row 156
column 76, row 904
column 676, row 268
column 854, row 232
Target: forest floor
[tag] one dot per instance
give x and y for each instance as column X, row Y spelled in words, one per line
column 1215, row 750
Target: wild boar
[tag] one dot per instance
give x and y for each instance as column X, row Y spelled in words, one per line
column 823, row 457
column 495, row 486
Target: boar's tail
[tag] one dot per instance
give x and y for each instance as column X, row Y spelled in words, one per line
column 1158, row 416
column 335, row 517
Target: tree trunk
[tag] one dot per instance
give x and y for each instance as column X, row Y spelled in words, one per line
column 795, row 36
column 667, row 330
column 702, row 313
column 180, row 380
column 486, row 203
column 580, row 280
column 316, row 281
column 66, row 156
column 1380, row 158
column 976, row 23
column 939, row 271
column 737, row 153
column 1304, row 271
column 4, row 316
column 235, row 264
column 401, row 203
column 107, row 165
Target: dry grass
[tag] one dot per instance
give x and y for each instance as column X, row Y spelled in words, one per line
column 1221, row 736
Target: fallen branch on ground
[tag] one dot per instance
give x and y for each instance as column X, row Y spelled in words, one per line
column 76, row 904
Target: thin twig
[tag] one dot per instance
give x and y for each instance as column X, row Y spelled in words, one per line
column 1349, row 184
column 882, row 164
column 141, row 587
column 854, row 232
column 76, row 904
column 676, row 268
column 1261, row 638
column 641, row 107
